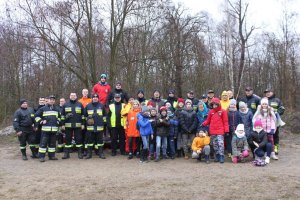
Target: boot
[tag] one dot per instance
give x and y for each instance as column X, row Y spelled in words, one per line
column 42, row 159
column 221, row 159
column 101, row 153
column 146, row 155
column 207, row 159
column 217, row 158
column 89, row 153
column 24, row 156
column 80, row 156
column 142, row 157
column 273, row 156
column 130, row 156
column 34, row 152
column 66, row 154
column 276, row 149
column 138, row 155
column 178, row 153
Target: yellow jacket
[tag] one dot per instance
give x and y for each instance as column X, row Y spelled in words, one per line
column 200, row 142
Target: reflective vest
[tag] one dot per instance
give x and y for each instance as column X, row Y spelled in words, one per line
column 112, row 108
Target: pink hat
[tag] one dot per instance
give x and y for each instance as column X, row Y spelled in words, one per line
column 257, row 123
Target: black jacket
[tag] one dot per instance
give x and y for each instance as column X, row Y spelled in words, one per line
column 275, row 103
column 23, row 119
column 97, row 112
column 260, row 138
column 188, row 121
column 51, row 115
column 110, row 97
column 252, row 102
column 72, row 114
column 162, row 127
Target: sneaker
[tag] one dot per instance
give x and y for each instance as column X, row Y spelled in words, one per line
column 267, row 160
column 229, row 155
column 173, row 157
column 130, row 156
column 273, row 156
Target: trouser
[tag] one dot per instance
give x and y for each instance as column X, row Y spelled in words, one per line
column 134, row 142
column 94, row 138
column 179, row 141
column 118, row 138
column 205, row 151
column 228, row 139
column 218, row 144
column 260, row 152
column 48, row 139
column 161, row 141
column 187, row 140
column 77, row 135
column 171, row 145
column 271, row 140
column 37, row 137
column 276, row 136
column 60, row 140
column 27, row 137
column 152, row 144
column 145, row 140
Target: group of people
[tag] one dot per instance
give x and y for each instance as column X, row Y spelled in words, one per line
column 155, row 128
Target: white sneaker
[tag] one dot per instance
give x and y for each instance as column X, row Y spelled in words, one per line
column 267, row 160
column 273, row 156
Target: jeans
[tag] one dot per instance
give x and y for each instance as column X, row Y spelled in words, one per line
column 171, row 144
column 145, row 140
column 205, row 151
column 260, row 152
column 161, row 141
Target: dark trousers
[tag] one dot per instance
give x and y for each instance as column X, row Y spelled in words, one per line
column 228, row 139
column 48, row 139
column 171, row 145
column 27, row 137
column 94, row 138
column 137, row 140
column 37, row 137
column 77, row 135
column 276, row 136
column 118, row 138
column 60, row 140
column 260, row 152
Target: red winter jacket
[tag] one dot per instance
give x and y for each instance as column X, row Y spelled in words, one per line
column 217, row 120
column 102, row 90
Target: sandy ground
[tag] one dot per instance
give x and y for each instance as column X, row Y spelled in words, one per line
column 119, row 178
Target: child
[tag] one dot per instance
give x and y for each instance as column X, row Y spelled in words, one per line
column 245, row 117
column 132, row 131
column 124, row 112
column 239, row 144
column 145, row 128
column 178, row 142
column 162, row 133
column 218, row 120
column 201, row 146
column 265, row 113
column 258, row 142
column 173, row 131
column 202, row 115
column 153, row 120
column 233, row 118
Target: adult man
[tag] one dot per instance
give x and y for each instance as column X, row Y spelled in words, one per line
column 251, row 99
column 49, row 117
column 195, row 101
column 141, row 96
column 210, row 95
column 276, row 104
column 172, row 99
column 85, row 100
column 204, row 99
column 116, row 122
column 38, row 128
column 72, row 116
column 95, row 114
column 59, row 135
column 156, row 100
column 118, row 90
column 102, row 89
column 23, row 125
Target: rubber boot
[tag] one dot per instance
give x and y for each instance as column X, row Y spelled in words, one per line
column 217, row 158
column 80, row 155
column 24, row 156
column 33, row 151
column 207, row 159
column 66, row 154
column 101, row 153
column 221, row 159
column 89, row 153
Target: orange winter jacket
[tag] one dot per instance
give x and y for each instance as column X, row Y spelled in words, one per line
column 200, row 142
column 85, row 101
column 132, row 119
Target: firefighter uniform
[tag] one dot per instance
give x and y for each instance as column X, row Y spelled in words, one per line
column 23, row 122
column 60, row 136
column 95, row 115
column 49, row 118
column 73, row 119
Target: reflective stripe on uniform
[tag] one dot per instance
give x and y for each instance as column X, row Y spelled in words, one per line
column 50, row 113
column 51, row 150
column 90, row 128
column 100, row 145
column 68, row 146
column 68, row 109
column 100, row 128
column 68, row 125
column 50, row 128
column 90, row 112
column 79, row 145
column 21, row 147
column 42, row 150
column 38, row 119
column 78, row 125
column 78, row 110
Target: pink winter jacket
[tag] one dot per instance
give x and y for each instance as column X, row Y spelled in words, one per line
column 268, row 122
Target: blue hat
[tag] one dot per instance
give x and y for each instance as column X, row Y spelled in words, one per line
column 103, row 76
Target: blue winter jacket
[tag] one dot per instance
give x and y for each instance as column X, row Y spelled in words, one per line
column 246, row 119
column 144, row 125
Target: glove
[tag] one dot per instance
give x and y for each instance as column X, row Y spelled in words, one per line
column 69, row 116
column 90, row 121
column 82, row 127
column 19, row 133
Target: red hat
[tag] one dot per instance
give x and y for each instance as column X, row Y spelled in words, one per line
column 180, row 100
column 163, row 108
column 151, row 103
column 257, row 123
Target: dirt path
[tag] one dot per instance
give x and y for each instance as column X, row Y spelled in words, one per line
column 119, row 178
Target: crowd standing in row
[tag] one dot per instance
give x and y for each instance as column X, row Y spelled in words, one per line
column 153, row 129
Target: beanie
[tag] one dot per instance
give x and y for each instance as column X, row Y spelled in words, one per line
column 151, row 103
column 264, row 101
column 242, row 104
column 188, row 101
column 180, row 100
column 257, row 123
column 232, row 102
column 141, row 91
column 145, row 109
column 22, row 101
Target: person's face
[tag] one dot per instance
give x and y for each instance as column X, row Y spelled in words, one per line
column 164, row 113
column 225, row 97
column 171, row 95
column 135, row 105
column 168, row 105
column 211, row 95
column 264, row 105
column 85, row 92
column 153, row 112
column 47, row 100
column 147, row 113
column 41, row 101
column 188, row 106
column 51, row 101
column 205, row 100
column 180, row 105
column 130, row 100
column 140, row 95
column 243, row 109
column 62, row 101
column 190, row 95
column 95, row 99
column 156, row 94
column 24, row 105
column 118, row 86
column 268, row 94
column 73, row 96
column 117, row 99
column 249, row 92
column 201, row 107
column 232, row 106
column 215, row 105
column 230, row 93
column 102, row 79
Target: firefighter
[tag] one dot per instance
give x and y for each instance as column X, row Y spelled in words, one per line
column 49, row 117
column 23, row 124
column 38, row 128
column 95, row 115
column 60, row 133
column 73, row 123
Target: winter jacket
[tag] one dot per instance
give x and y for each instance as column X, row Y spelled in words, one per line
column 246, row 119
column 173, row 101
column 195, row 103
column 132, row 119
column 72, row 114
column 234, row 120
column 97, row 112
column 153, row 120
column 275, row 103
column 144, row 125
column 23, row 119
column 188, row 121
column 218, row 121
column 121, row 92
column 102, row 89
column 225, row 104
column 238, row 145
column 268, row 122
column 114, row 117
column 252, row 102
column 260, row 138
column 163, row 126
column 173, row 131
column 85, row 101
column 51, row 115
column 157, row 102
column 202, row 116
column 200, row 142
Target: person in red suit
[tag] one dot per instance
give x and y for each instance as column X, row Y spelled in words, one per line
column 102, row 88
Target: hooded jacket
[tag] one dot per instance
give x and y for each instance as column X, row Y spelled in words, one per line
column 102, row 89
column 268, row 122
column 188, row 121
column 144, row 125
column 132, row 119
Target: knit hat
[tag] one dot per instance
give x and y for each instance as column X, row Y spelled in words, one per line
column 151, row 103
column 95, row 95
column 215, row 101
column 257, row 123
column 141, row 91
column 210, row 91
column 103, row 76
column 239, row 130
column 188, row 101
column 117, row 95
column 242, row 104
column 264, row 101
column 145, row 109
column 51, row 97
column 171, row 91
column 180, row 100
column 23, row 101
column 163, row 108
column 232, row 102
